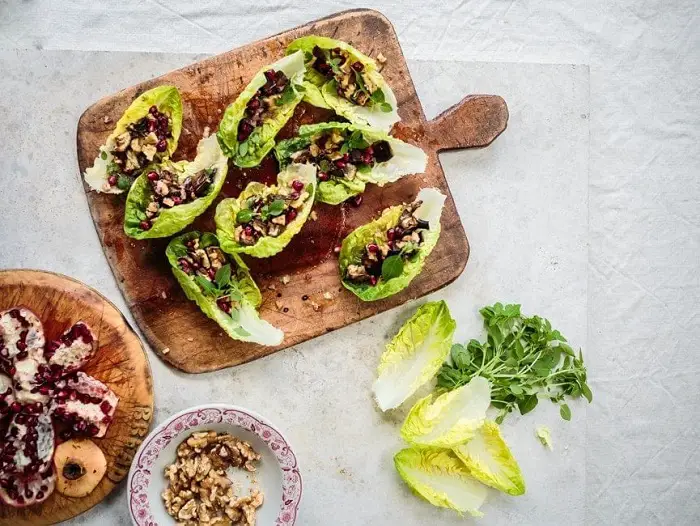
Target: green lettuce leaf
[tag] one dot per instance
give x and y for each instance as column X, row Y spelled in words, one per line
column 251, row 152
column 372, row 116
column 171, row 220
column 246, row 324
column 490, row 461
column 414, row 355
column 441, row 478
column 354, row 243
column 450, row 418
column 227, row 210
column 407, row 159
column 167, row 100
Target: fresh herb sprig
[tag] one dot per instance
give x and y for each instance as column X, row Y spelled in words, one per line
column 355, row 142
column 523, row 358
column 273, row 209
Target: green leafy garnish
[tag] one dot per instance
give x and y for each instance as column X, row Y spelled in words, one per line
column 273, row 209
column 223, row 276
column 287, row 96
column 524, row 358
column 124, row 182
column 392, row 267
column 245, row 215
column 103, row 155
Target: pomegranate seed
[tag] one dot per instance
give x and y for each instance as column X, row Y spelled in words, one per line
column 323, row 176
column 161, row 145
column 73, row 395
column 21, row 356
column 177, row 200
column 151, row 126
column 254, row 104
column 145, row 225
column 336, row 249
column 357, row 200
column 15, row 407
column 369, row 151
column 93, row 430
column 297, row 185
column 152, row 176
column 358, row 66
column 346, row 157
column 38, row 407
column 12, row 370
column 373, row 248
column 28, row 493
column 44, row 389
column 211, row 273
column 390, row 234
column 248, row 230
column 112, row 180
column 62, row 395
column 270, row 75
column 21, row 419
column 291, row 215
column 40, row 495
column 106, row 419
column 153, row 110
column 340, row 164
column 373, row 280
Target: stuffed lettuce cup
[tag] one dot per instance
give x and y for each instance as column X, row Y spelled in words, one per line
column 263, row 219
column 147, row 133
column 340, row 77
column 248, row 128
column 221, row 287
column 347, row 157
column 381, row 258
column 169, row 196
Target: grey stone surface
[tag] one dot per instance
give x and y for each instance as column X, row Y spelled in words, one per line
column 523, row 202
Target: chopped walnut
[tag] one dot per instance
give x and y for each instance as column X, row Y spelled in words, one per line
column 199, row 493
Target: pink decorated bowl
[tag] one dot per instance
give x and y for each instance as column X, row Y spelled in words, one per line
column 278, row 475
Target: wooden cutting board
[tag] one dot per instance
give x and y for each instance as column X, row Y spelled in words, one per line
column 120, row 363
column 174, row 327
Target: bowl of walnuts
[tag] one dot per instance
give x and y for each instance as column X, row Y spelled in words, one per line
column 213, row 465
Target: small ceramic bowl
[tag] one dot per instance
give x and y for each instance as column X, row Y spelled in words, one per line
column 278, row 475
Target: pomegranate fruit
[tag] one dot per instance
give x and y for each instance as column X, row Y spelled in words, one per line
column 28, row 447
column 22, row 492
column 88, row 409
column 40, row 382
column 73, row 350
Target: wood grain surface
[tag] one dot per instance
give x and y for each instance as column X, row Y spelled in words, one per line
column 120, row 363
column 174, row 327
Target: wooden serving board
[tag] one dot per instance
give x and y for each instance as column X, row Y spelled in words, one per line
column 174, row 327
column 120, row 362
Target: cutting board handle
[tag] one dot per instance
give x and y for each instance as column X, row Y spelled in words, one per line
column 473, row 122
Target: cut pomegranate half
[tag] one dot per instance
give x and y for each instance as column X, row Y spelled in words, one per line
column 22, row 492
column 86, row 405
column 22, row 334
column 28, row 447
column 72, row 350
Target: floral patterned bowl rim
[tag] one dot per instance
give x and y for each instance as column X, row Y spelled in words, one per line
column 197, row 418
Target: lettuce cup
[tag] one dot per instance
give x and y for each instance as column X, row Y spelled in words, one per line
column 340, row 77
column 248, row 128
column 147, row 133
column 169, row 196
column 263, row 219
column 221, row 287
column 382, row 257
column 347, row 157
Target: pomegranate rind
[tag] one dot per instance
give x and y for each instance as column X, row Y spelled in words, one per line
column 85, row 453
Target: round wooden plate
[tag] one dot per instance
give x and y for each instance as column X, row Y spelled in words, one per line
column 120, row 362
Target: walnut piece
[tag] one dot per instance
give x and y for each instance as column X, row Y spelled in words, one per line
column 199, row 493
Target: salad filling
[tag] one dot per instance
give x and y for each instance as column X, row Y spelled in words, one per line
column 143, row 142
column 341, row 154
column 403, row 240
column 168, row 191
column 276, row 91
column 205, row 263
column 269, row 216
column 352, row 81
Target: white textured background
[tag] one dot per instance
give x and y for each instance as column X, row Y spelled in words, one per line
column 641, row 463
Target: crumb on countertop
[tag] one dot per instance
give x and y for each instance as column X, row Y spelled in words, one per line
column 285, row 279
column 165, row 351
column 107, row 120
